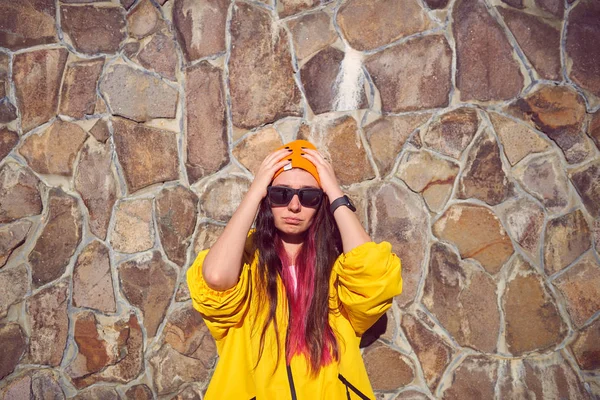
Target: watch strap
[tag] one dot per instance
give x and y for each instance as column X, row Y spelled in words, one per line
column 341, row 201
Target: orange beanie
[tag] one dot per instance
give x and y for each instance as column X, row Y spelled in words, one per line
column 297, row 161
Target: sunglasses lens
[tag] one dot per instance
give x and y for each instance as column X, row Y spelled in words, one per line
column 310, row 197
column 280, row 196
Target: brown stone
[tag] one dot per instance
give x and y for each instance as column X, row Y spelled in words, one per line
column 14, row 285
column 545, row 179
column 189, row 393
column 403, row 220
column 183, row 293
column 429, row 175
column 583, row 39
column 587, row 182
column 4, row 67
column 257, row 46
column 318, row 77
column 19, row 193
column 532, row 321
column 594, row 128
column 187, row 334
column 412, row 394
column 452, row 132
column 311, row 33
column 34, row 384
column 524, row 219
column 8, row 112
column 98, row 392
column 92, row 29
column 478, row 234
column 414, row 75
column 160, row 56
column 558, row 111
column 100, row 130
column 59, row 239
column 78, row 95
column 387, row 368
column 138, row 96
column 254, row 148
column 11, row 237
column 116, row 342
column 27, row 23
column 176, row 213
column 517, row 139
column 567, row 237
column 463, row 298
column 92, row 279
column 55, row 149
column 147, row 155
column 475, row 378
column 554, row 7
column 200, row 27
column 148, row 283
column 206, row 129
column 514, row 3
column 139, row 392
column 170, row 369
column 339, row 139
column 483, row 175
column 127, row 3
column 130, row 49
column 486, row 68
column 222, row 197
column 206, row 236
column 539, row 41
column 49, row 322
column 387, row 136
column 547, row 376
column 586, row 348
column 96, row 182
column 580, row 285
column 134, row 227
column 286, row 8
column 37, row 76
column 12, row 346
column 431, row 350
column 143, row 19
column 368, row 24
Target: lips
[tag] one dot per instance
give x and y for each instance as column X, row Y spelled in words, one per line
column 292, row 221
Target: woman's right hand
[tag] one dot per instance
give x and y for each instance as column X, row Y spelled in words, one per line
column 271, row 164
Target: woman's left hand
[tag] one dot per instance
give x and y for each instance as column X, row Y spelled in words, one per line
column 326, row 173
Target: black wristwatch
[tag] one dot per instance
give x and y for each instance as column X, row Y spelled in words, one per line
column 341, row 201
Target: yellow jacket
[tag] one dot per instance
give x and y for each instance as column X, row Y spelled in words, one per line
column 363, row 284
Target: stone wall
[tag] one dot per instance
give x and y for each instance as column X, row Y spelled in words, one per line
column 467, row 132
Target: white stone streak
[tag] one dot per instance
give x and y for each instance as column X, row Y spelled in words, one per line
column 195, row 11
column 349, row 82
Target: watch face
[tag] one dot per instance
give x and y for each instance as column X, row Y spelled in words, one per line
column 349, row 203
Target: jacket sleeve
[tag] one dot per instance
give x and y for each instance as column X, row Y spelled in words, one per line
column 369, row 277
column 220, row 310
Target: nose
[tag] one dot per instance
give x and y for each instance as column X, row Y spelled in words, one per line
column 294, row 204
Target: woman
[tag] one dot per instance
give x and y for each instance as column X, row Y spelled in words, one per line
column 285, row 306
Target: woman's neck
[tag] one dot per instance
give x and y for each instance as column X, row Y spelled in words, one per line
column 292, row 245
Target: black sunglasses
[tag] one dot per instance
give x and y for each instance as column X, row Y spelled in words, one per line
column 281, row 196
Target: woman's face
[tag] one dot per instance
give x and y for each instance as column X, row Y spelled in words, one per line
column 294, row 218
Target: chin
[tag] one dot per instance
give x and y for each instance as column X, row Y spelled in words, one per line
column 292, row 230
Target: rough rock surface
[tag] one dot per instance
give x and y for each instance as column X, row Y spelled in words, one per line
column 37, row 76
column 387, row 136
column 477, row 376
column 27, row 23
column 19, row 193
column 370, row 24
column 414, row 75
column 486, row 69
column 206, row 130
column 580, row 285
column 463, row 298
column 78, row 96
column 93, row 29
column 452, row 132
column 148, row 283
column 532, row 321
column 257, row 45
column 147, row 155
column 586, row 347
column 221, row 197
column 524, row 220
column 12, row 236
column 136, row 95
column 517, row 139
column 92, row 280
column 254, row 148
column 54, row 151
column 403, row 221
column 34, row 384
column 143, row 19
column 311, row 33
column 14, row 285
column 478, row 234
column 587, row 182
column 160, row 55
column 59, row 238
column 134, row 227
column 566, row 238
column 176, row 212
column 12, row 347
column 391, row 369
column 49, row 323
column 429, row 175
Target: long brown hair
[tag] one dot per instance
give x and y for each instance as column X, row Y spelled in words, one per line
column 319, row 336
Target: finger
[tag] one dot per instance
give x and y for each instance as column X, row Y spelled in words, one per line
column 276, row 156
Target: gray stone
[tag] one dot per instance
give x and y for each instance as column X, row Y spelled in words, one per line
column 311, row 33
column 19, row 193
column 160, row 55
column 222, row 197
